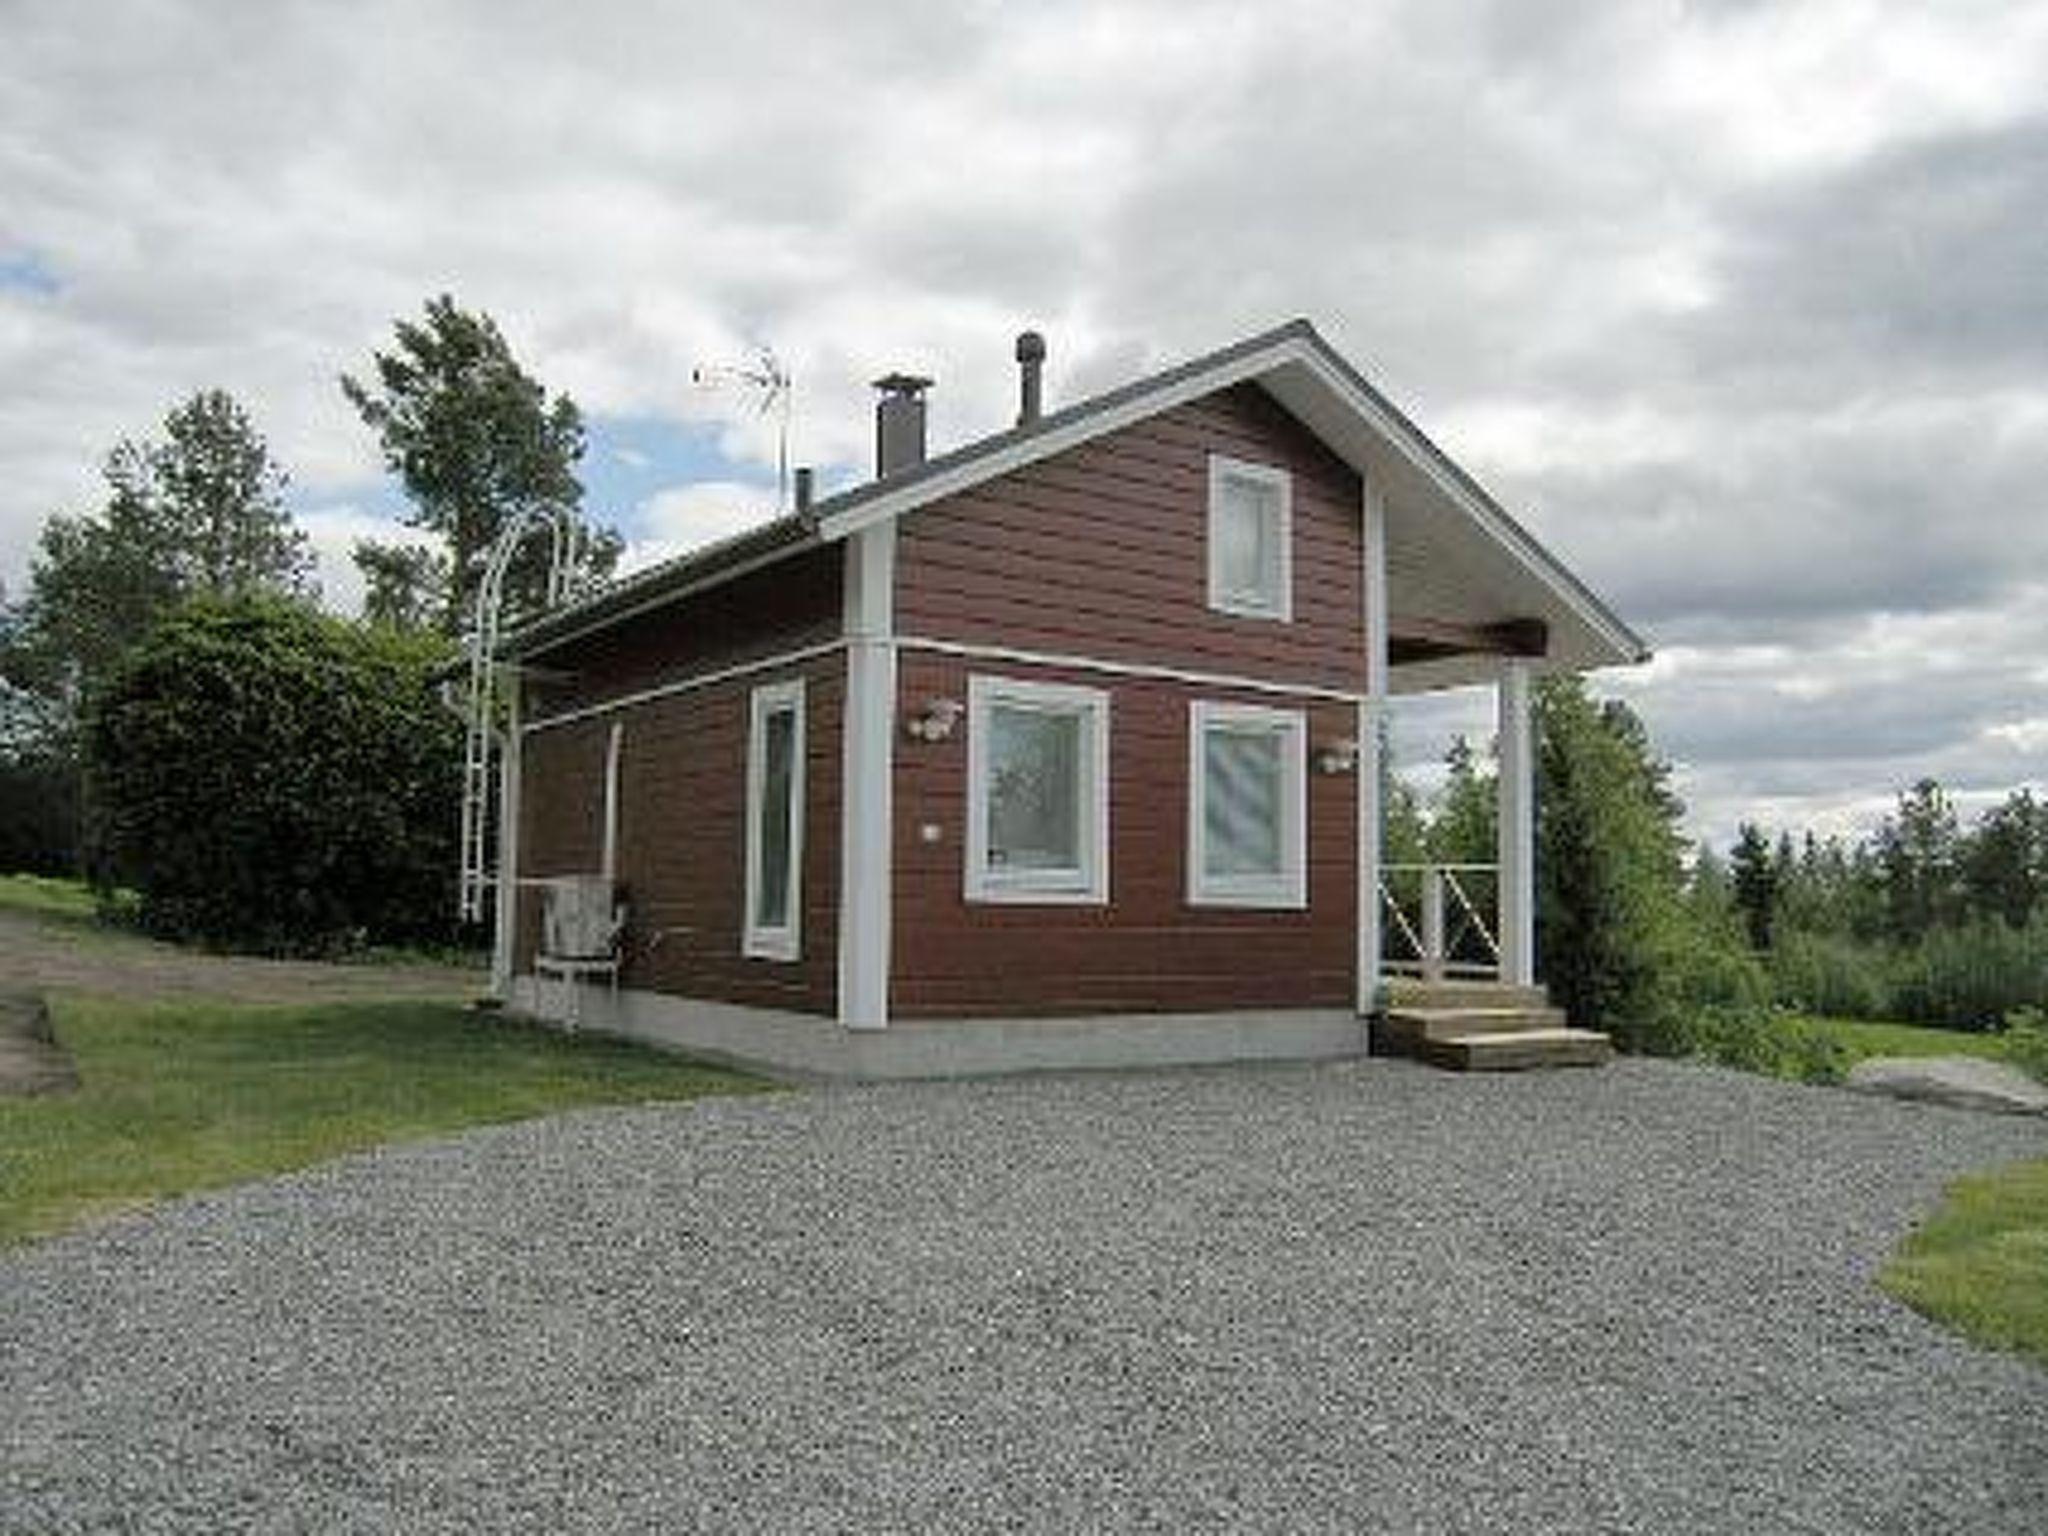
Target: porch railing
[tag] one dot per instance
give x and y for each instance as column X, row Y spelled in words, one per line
column 1441, row 920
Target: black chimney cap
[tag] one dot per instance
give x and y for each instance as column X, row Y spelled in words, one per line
column 1030, row 347
column 902, row 384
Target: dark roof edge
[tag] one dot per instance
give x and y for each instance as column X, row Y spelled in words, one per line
column 663, row 583
column 787, row 535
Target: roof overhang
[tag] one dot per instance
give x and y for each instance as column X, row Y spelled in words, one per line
column 1455, row 556
column 1454, row 553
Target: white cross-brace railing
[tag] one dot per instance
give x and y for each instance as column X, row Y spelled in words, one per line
column 1432, row 944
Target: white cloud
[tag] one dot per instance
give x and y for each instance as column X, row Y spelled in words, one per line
column 333, row 530
column 686, row 517
column 1736, row 305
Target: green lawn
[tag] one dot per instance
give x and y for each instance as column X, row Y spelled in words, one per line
column 1980, row 1262
column 63, row 901
column 189, row 1097
column 1860, row 1038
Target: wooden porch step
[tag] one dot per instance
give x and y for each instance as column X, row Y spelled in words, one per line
column 1404, row 1027
column 1407, row 992
column 1517, row 1050
column 1483, row 1026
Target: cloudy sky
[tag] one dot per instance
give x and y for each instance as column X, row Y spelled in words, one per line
column 1741, row 307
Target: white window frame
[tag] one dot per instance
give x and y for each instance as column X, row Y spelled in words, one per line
column 782, row 942
column 1280, row 608
column 1289, row 888
column 1087, row 886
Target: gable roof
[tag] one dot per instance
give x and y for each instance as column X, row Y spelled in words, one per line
column 1293, row 363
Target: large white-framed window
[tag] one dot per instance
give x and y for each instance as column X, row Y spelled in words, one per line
column 775, row 821
column 1251, row 539
column 1037, row 792
column 1247, row 806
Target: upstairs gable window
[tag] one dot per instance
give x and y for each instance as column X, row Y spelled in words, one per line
column 1251, row 534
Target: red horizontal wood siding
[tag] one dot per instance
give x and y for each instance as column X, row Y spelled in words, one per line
column 783, row 607
column 682, row 783
column 1102, row 551
column 1148, row 949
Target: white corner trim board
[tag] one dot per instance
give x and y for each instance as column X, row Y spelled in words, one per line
column 867, row 769
column 1371, row 714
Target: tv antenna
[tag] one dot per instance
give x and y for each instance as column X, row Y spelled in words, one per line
column 772, row 386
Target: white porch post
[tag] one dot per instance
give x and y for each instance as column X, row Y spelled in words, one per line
column 505, row 928
column 1371, row 714
column 866, row 889
column 1517, row 827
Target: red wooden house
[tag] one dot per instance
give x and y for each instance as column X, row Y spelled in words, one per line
column 1058, row 749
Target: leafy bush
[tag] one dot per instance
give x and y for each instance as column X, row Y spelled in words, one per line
column 1832, row 975
column 2026, row 1041
column 38, row 815
column 1971, row 977
column 269, row 778
column 1764, row 1040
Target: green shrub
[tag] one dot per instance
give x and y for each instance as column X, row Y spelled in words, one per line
column 1971, row 977
column 1765, row 1040
column 38, row 814
column 1832, row 975
column 2026, row 1041
column 269, row 778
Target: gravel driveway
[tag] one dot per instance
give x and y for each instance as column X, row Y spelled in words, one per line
column 1357, row 1297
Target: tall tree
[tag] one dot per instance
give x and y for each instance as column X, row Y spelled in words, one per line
column 1755, row 873
column 1463, row 829
column 1832, row 888
column 222, row 496
column 1608, row 861
column 1710, row 898
column 2005, row 860
column 199, row 514
column 1917, row 850
column 477, row 441
column 405, row 585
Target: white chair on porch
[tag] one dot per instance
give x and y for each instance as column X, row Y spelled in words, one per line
column 583, row 926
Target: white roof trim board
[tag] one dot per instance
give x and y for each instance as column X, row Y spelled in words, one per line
column 1294, row 364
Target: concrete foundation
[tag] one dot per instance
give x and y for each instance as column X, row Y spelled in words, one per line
column 809, row 1047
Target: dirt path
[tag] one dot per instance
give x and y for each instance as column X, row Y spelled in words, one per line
column 54, row 955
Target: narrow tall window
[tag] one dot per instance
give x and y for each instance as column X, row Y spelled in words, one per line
column 1247, row 806
column 1251, row 530
column 1037, row 792
column 775, row 821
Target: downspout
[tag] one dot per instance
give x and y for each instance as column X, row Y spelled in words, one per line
column 613, row 748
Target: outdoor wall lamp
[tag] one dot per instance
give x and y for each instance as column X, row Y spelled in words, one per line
column 936, row 721
column 1337, row 757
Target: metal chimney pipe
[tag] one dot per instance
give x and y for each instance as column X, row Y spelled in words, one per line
column 1031, row 382
column 805, row 487
column 899, row 423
